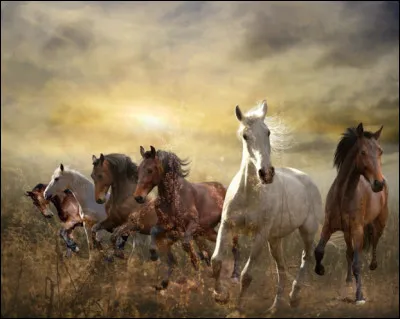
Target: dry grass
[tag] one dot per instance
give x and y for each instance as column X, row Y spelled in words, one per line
column 37, row 281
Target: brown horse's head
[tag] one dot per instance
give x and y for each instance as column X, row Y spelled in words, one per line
column 150, row 174
column 362, row 150
column 368, row 160
column 102, row 178
column 37, row 196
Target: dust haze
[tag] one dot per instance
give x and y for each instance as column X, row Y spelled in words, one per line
column 83, row 78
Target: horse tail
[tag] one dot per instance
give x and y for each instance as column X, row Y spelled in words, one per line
column 368, row 236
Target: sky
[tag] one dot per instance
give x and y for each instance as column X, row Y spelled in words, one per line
column 80, row 78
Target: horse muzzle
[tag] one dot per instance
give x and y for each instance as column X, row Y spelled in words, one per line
column 377, row 186
column 266, row 176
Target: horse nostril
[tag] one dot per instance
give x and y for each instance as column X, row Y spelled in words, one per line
column 139, row 199
column 272, row 170
column 261, row 172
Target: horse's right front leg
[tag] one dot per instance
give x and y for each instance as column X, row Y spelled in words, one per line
column 66, row 235
column 155, row 231
column 223, row 243
column 119, row 238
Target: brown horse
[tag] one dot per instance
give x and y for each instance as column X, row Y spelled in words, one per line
column 191, row 209
column 357, row 202
column 125, row 215
column 68, row 212
column 118, row 172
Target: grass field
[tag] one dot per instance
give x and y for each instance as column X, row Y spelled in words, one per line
column 37, row 281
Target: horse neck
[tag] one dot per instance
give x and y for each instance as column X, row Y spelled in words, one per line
column 121, row 189
column 169, row 187
column 346, row 182
column 248, row 173
column 83, row 189
column 57, row 202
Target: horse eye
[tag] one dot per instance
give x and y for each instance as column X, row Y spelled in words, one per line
column 269, row 133
column 149, row 171
column 56, row 179
column 99, row 176
column 363, row 153
column 245, row 137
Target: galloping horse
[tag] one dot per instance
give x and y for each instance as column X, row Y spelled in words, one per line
column 67, row 209
column 83, row 190
column 125, row 215
column 268, row 204
column 357, row 202
column 193, row 209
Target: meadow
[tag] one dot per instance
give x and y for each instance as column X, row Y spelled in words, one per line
column 38, row 281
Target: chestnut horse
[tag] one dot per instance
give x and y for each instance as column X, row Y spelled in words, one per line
column 191, row 209
column 68, row 212
column 357, row 202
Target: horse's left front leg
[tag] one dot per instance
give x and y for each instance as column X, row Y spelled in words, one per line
column 378, row 226
column 187, row 243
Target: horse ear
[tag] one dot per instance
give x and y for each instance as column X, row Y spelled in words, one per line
column 264, row 108
column 360, row 130
column 238, row 113
column 94, row 159
column 62, row 167
column 101, row 158
column 153, row 151
column 377, row 134
column 142, row 151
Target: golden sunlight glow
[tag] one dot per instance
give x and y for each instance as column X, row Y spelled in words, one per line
column 150, row 120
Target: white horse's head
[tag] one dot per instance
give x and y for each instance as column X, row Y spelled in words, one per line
column 60, row 181
column 255, row 135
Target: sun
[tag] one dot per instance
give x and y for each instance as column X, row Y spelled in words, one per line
column 150, row 120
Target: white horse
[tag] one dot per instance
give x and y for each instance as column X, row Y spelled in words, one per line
column 83, row 190
column 267, row 205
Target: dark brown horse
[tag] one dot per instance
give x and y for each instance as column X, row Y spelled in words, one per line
column 118, row 172
column 183, row 208
column 357, row 202
column 68, row 212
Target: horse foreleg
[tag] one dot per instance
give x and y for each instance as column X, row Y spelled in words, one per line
column 187, row 243
column 275, row 248
column 155, row 231
column 66, row 235
column 119, row 238
column 171, row 262
column 235, row 251
column 378, row 226
column 320, row 249
column 357, row 237
column 246, row 275
column 205, row 253
column 223, row 243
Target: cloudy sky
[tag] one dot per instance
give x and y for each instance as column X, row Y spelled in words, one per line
column 80, row 78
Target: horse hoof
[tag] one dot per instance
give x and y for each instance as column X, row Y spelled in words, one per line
column 76, row 249
column 373, row 265
column 235, row 280
column 221, row 298
column 360, row 302
column 320, row 270
column 153, row 255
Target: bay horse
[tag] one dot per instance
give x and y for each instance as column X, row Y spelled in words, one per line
column 83, row 190
column 184, row 209
column 267, row 204
column 357, row 201
column 67, row 210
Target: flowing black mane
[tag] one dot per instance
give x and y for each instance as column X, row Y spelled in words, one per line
column 171, row 163
column 346, row 144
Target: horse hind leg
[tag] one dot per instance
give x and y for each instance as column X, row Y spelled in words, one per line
column 307, row 233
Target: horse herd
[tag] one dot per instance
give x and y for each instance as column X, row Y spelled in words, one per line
column 262, row 202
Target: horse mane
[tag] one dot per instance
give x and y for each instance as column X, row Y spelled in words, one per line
column 39, row 186
column 172, row 163
column 121, row 164
column 346, row 145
